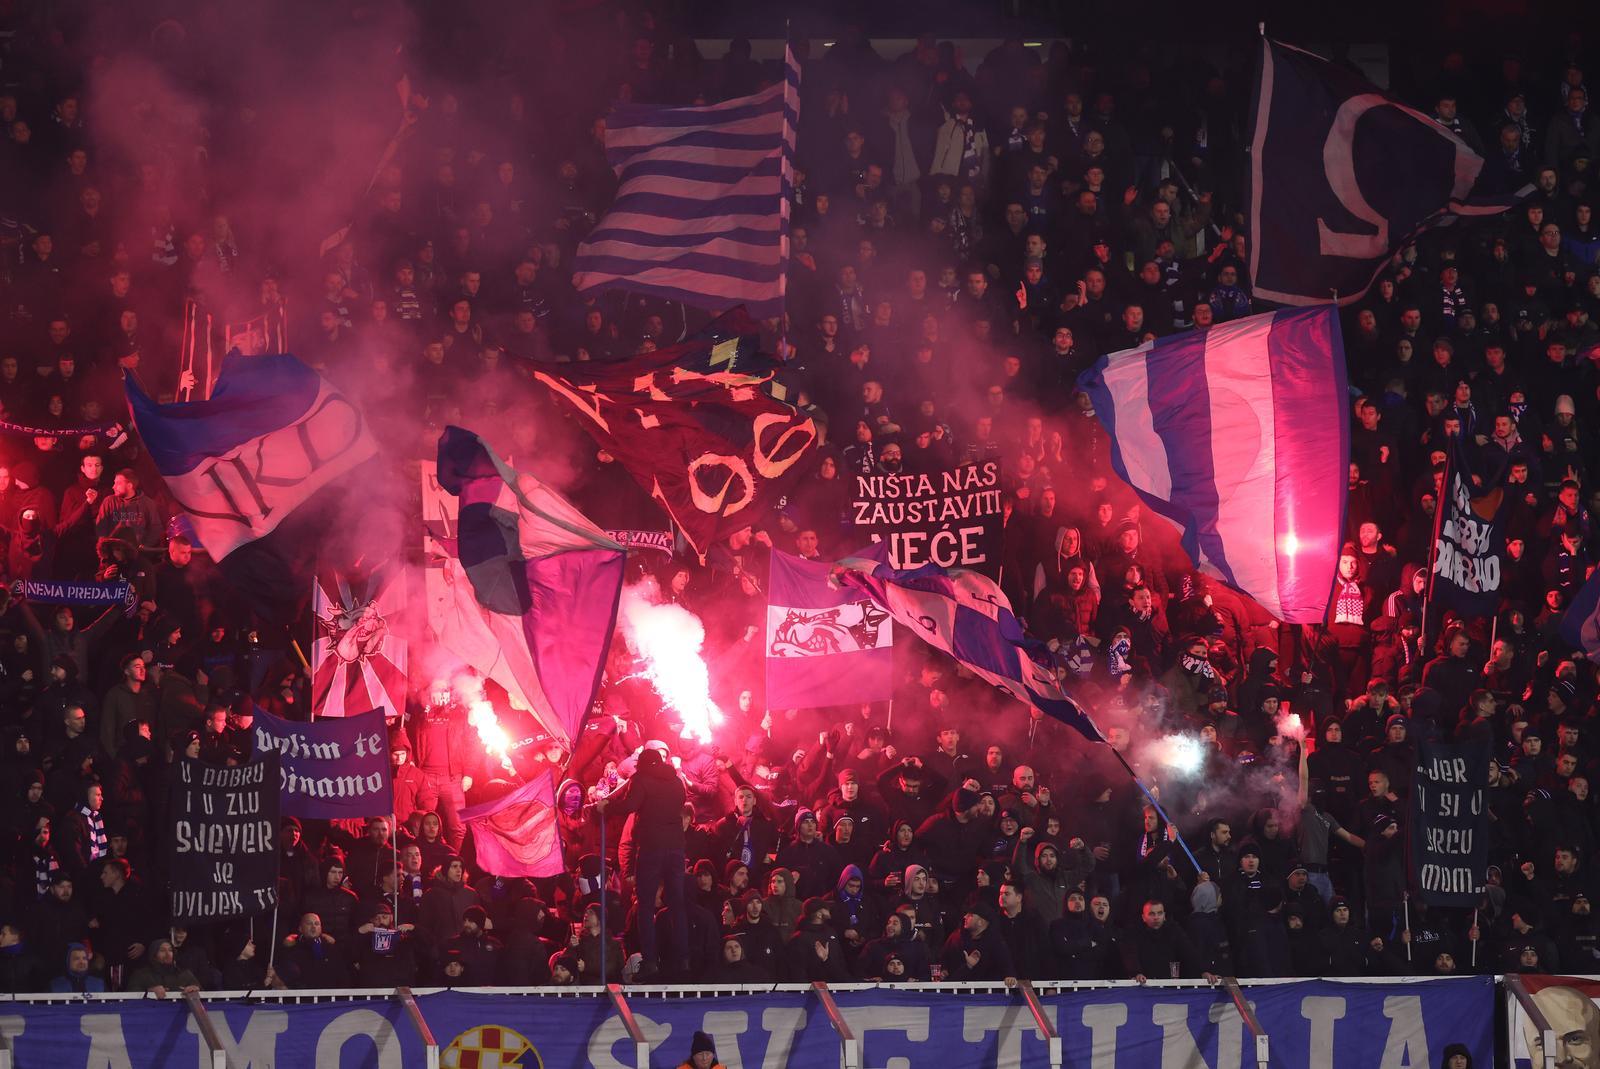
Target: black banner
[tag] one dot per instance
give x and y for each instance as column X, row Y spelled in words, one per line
column 224, row 855
column 950, row 518
column 1470, row 543
column 1449, row 822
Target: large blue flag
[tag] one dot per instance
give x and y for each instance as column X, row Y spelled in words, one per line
column 246, row 464
column 1238, row 436
column 701, row 213
column 964, row 614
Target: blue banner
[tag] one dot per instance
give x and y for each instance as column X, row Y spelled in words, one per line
column 69, row 592
column 1311, row 1023
column 331, row 768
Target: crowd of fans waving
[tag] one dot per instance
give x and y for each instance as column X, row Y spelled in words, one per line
column 966, row 239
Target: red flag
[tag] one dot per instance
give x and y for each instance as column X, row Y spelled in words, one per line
column 516, row 833
column 711, row 445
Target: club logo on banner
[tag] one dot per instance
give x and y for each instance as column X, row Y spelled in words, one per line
column 224, row 853
column 1312, row 1023
column 952, row 518
column 358, row 662
column 330, row 768
column 1449, row 822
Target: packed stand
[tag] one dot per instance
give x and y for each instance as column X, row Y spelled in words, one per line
column 964, row 243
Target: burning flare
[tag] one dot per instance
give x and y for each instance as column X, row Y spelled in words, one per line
column 667, row 638
column 496, row 743
column 1290, row 726
column 1181, row 753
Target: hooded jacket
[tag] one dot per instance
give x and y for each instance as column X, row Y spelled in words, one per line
column 1044, row 889
column 655, row 796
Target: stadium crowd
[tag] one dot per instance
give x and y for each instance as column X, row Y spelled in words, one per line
column 967, row 237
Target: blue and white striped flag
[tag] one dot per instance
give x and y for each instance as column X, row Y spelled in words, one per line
column 1239, row 437
column 702, row 207
column 965, row 614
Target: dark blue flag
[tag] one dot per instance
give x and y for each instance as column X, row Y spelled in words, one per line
column 1342, row 174
column 1469, row 547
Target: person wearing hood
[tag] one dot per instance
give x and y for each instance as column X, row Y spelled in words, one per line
column 1207, row 930
column 35, row 542
column 886, row 873
column 781, row 906
column 655, row 797
column 1260, row 673
column 1271, row 843
column 922, row 903
column 814, row 952
column 856, row 914
column 896, row 941
column 409, row 782
column 1045, row 879
column 77, row 979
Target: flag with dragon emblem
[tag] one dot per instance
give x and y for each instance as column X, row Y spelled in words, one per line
column 357, row 662
column 825, row 645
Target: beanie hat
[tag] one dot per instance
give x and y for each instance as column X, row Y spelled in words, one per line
column 966, row 798
column 702, row 1045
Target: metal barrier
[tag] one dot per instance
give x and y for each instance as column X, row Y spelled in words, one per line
column 641, row 1045
column 850, row 1056
column 208, row 1031
column 1046, row 1029
column 1547, row 1035
column 1248, row 1012
column 430, row 1046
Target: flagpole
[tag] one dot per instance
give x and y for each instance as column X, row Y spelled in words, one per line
column 604, row 931
column 394, row 849
column 1445, row 493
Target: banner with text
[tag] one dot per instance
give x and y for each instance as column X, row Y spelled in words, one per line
column 1470, row 544
column 1449, row 822
column 660, row 541
column 224, row 852
column 68, row 592
column 1317, row 1024
column 332, row 768
column 950, row 518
